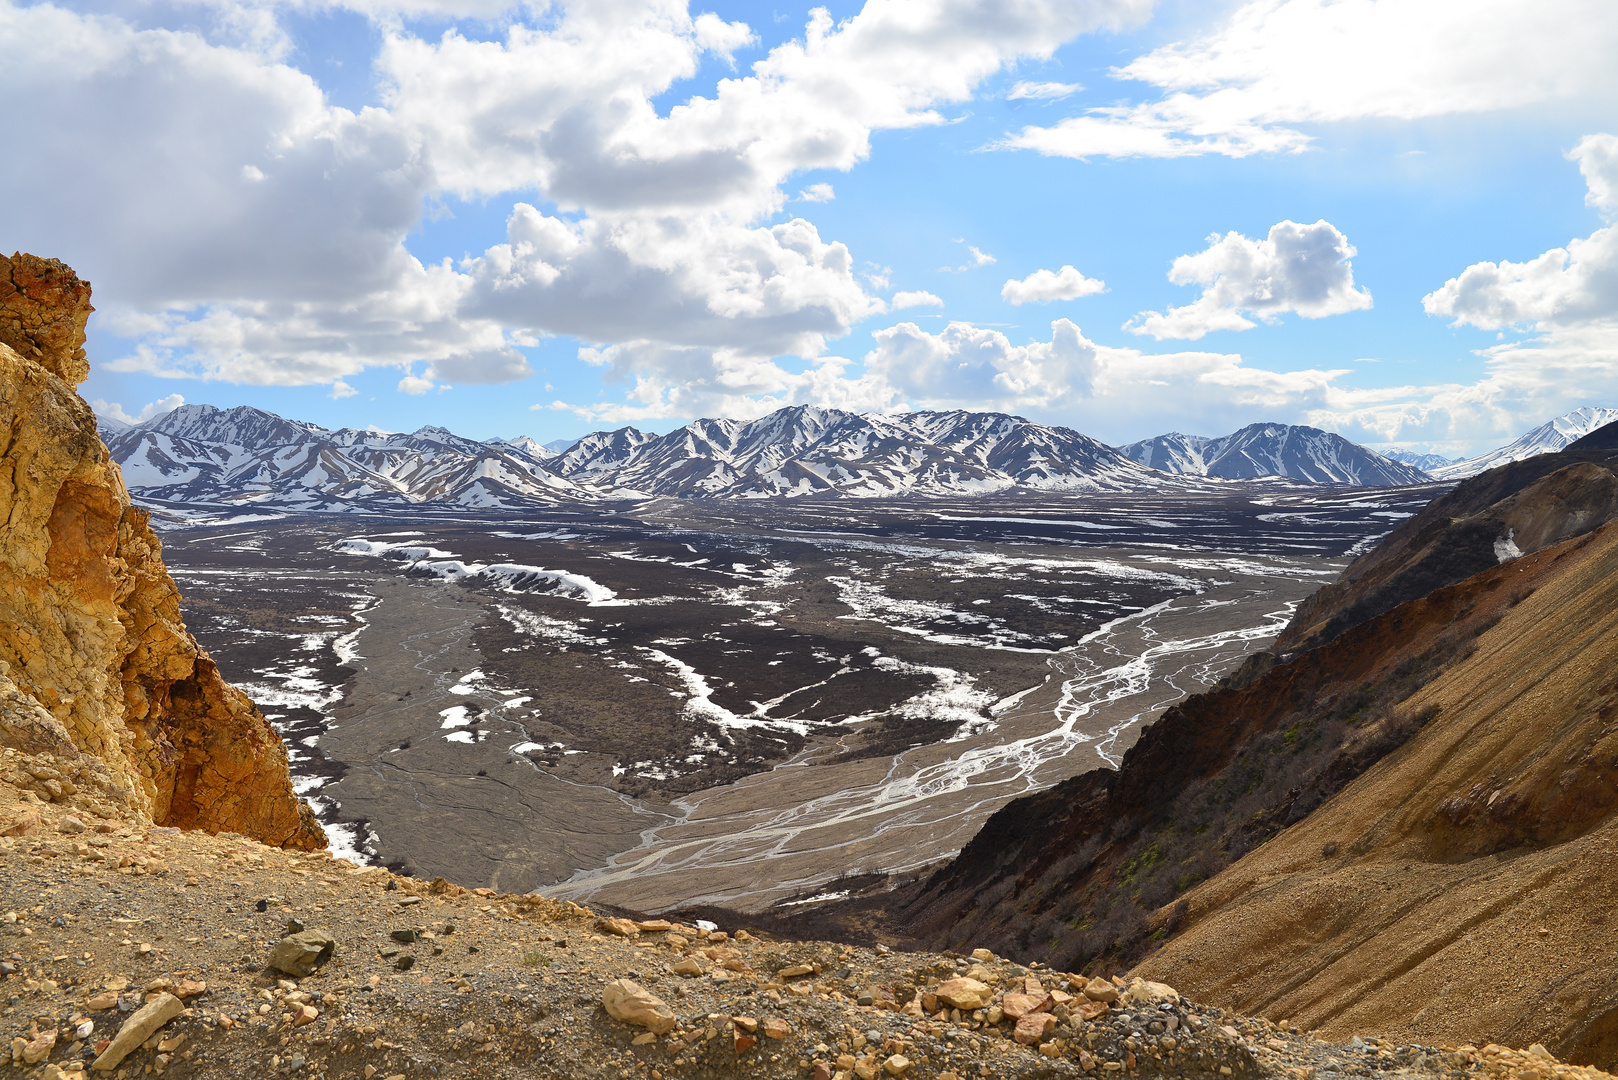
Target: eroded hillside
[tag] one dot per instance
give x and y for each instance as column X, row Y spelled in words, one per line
column 1404, row 821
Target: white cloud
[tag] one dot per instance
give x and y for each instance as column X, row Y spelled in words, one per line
column 1042, row 91
column 1299, row 268
column 115, row 411
column 241, row 227
column 978, row 258
column 1564, row 289
column 1597, row 156
column 685, row 382
column 1247, row 86
column 341, row 389
column 902, row 300
column 817, row 193
column 412, row 384
column 1045, row 285
column 1566, row 300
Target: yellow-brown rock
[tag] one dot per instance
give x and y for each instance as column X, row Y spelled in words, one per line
column 90, row 627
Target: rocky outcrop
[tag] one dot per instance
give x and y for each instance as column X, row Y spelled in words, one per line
column 90, row 627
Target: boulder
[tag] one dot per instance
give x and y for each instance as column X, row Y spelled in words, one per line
column 300, row 954
column 1033, row 1028
column 1145, row 992
column 632, row 1003
column 1101, row 990
column 964, row 993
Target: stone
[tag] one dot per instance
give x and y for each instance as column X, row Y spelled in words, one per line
column 1143, row 992
column 305, row 1014
column 745, row 1023
column 1092, row 1010
column 190, row 988
column 896, row 1065
column 405, row 963
column 631, row 1003
column 301, row 954
column 983, row 955
column 963, row 993
column 776, row 1028
column 21, row 821
column 688, row 966
column 1016, row 1006
column 405, row 937
column 795, row 971
column 620, row 927
column 107, row 999
column 70, row 824
column 822, row 1071
column 1033, row 1028
column 36, row 1048
column 655, row 926
column 1101, row 990
column 140, row 1026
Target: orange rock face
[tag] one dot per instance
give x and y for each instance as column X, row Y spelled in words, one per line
column 90, row 625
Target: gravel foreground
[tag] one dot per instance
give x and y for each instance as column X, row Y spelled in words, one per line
column 117, row 936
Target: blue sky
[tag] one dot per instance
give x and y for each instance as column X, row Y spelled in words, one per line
column 1392, row 219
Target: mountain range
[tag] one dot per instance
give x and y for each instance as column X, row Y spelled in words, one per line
column 201, row 454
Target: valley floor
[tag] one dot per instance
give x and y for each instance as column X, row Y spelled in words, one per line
column 681, row 703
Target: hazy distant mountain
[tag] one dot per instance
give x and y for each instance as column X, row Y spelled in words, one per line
column 803, row 450
column 1549, row 437
column 1290, row 450
column 198, row 453
column 1425, row 462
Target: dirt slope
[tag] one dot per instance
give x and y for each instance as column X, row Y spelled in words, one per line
column 1468, row 881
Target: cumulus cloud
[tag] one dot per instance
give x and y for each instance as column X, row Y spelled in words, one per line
column 1046, row 285
column 1298, row 268
column 115, row 411
column 680, row 382
column 1566, row 288
column 902, row 300
column 1275, row 65
column 1565, row 304
column 1042, row 91
column 412, row 384
column 239, row 226
column 817, row 193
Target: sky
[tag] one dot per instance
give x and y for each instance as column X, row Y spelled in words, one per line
column 1393, row 219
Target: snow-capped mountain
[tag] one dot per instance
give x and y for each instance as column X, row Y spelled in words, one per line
column 198, row 453
column 804, row 450
column 245, row 456
column 1425, row 462
column 1290, row 450
column 1547, row 438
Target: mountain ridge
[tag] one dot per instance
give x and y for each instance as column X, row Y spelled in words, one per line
column 249, row 457
column 1294, row 451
